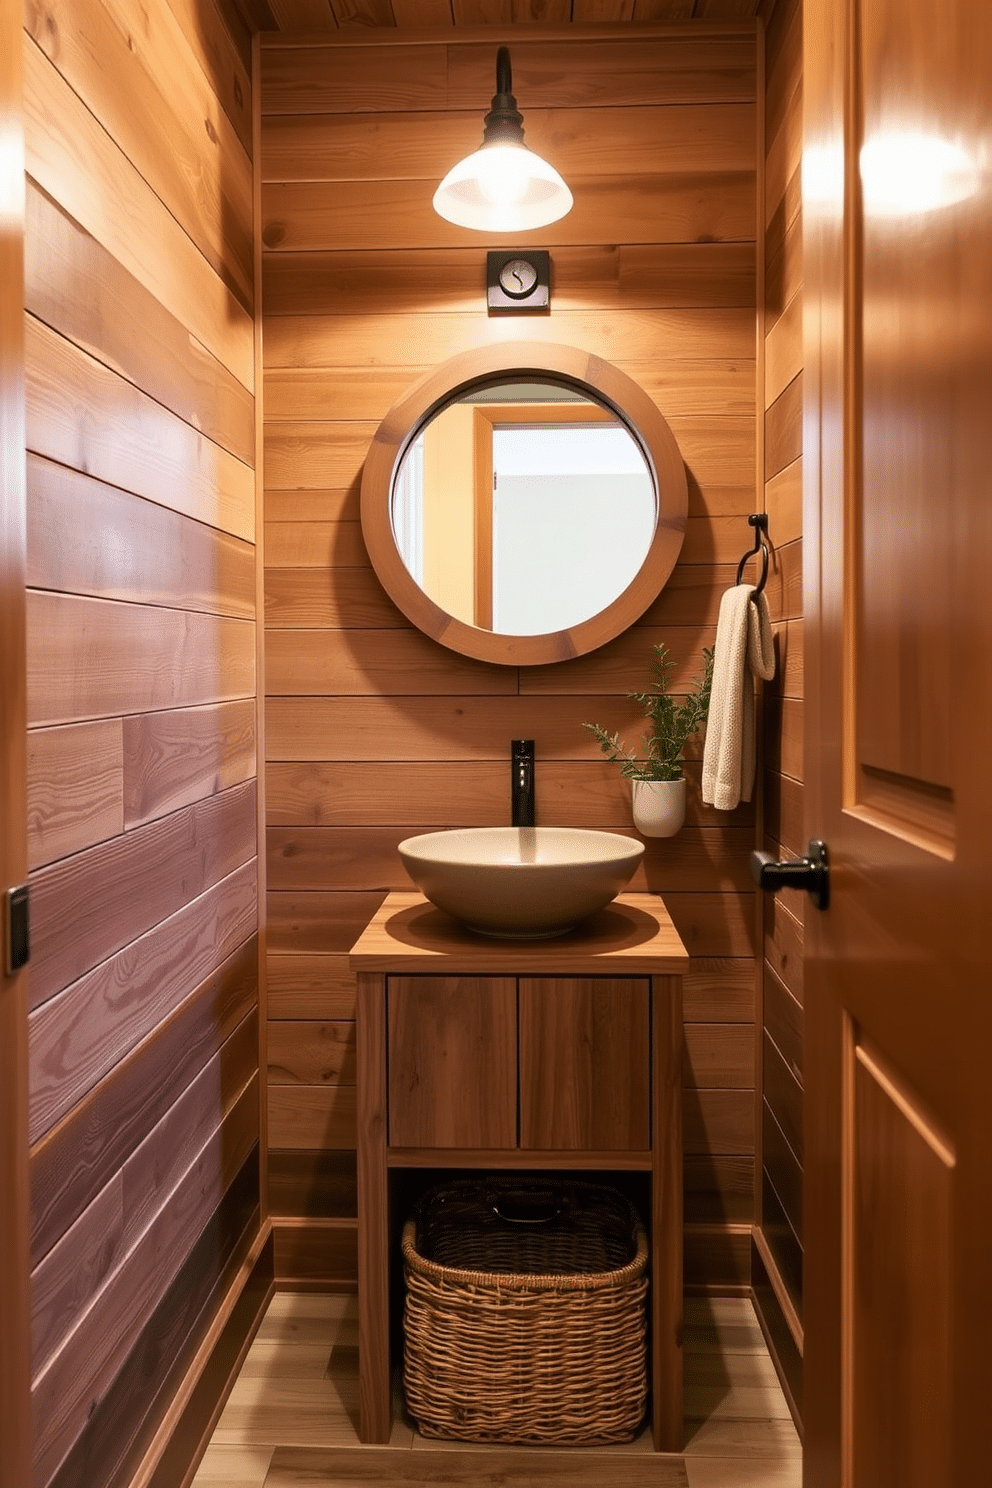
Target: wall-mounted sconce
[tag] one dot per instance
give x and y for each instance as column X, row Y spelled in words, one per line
column 503, row 187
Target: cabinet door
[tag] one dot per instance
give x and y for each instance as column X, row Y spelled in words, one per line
column 585, row 1052
column 452, row 1061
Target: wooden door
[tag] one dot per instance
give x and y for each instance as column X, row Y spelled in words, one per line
column 452, row 1061
column 15, row 1334
column 898, row 521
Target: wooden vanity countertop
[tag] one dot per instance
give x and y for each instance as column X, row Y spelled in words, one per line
column 633, row 934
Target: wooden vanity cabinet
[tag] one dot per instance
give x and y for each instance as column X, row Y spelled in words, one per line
column 558, row 1055
column 584, row 1052
column 452, row 1060
column 537, row 1063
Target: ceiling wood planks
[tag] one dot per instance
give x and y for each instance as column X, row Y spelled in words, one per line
column 314, row 16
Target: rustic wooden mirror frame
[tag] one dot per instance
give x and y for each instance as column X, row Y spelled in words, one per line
column 526, row 361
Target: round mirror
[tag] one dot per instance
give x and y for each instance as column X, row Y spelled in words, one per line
column 524, row 504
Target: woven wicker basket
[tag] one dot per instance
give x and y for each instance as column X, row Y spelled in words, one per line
column 525, row 1313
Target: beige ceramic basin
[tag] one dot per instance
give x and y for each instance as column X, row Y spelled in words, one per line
column 521, row 882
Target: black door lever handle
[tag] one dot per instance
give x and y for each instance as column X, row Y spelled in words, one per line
column 810, row 873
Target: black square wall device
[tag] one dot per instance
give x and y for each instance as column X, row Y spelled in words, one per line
column 518, row 280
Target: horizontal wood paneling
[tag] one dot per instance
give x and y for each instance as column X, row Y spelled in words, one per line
column 783, row 735
column 783, row 260
column 372, row 731
column 784, row 1096
column 62, row 1393
column 75, row 788
column 782, row 1244
column 326, row 857
column 315, row 662
column 351, row 341
column 78, row 1036
column 626, row 275
column 219, row 41
column 718, row 1190
column 144, row 877
column 784, row 503
column 315, row 922
column 78, row 164
column 172, row 759
column 716, row 1257
column 93, row 658
column 784, row 816
column 718, row 1122
column 784, row 349
column 783, row 428
column 785, row 582
column 318, row 454
column 74, row 1161
column 145, row 1099
column 475, row 793
column 310, row 1117
column 784, row 944
column 318, row 1185
column 161, row 111
column 778, row 1244
column 310, row 985
column 85, row 537
column 197, row 1136
column 719, row 1055
column 789, row 657
column 312, row 216
column 422, row 146
column 718, row 991
column 321, row 1253
column 121, row 1424
column 84, row 415
column 783, row 149
column 311, row 1053
column 784, row 1022
column 76, row 286
column 401, row 728
column 355, row 79
column 682, row 388
column 782, row 1169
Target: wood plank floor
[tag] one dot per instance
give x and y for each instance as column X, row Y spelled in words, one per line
column 291, row 1418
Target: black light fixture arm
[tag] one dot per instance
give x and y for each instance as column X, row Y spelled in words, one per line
column 504, row 121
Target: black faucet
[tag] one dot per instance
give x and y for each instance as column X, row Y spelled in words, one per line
column 522, row 783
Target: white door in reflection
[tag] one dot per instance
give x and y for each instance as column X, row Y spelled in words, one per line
column 573, row 518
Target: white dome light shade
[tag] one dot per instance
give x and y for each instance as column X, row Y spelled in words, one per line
column 502, row 188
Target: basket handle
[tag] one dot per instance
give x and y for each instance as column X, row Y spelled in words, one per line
column 529, row 1211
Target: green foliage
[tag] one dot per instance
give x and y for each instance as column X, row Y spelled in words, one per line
column 671, row 725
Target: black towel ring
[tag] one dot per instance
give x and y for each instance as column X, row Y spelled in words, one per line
column 759, row 521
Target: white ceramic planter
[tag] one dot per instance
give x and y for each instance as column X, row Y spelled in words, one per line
column 659, row 806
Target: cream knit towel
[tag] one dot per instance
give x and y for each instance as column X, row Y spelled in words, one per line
column 744, row 650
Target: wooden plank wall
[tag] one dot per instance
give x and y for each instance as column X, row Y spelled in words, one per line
column 15, row 1320
column 141, row 697
column 778, row 1263
column 374, row 732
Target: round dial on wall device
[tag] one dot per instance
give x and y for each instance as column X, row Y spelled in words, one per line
column 518, row 280
column 518, row 277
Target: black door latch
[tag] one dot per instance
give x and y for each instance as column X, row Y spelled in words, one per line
column 810, row 873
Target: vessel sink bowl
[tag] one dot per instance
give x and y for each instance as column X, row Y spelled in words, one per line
column 521, row 883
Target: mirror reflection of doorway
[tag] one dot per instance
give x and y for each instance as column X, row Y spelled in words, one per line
column 521, row 516
column 573, row 514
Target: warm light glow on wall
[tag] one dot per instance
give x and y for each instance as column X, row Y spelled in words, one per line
column 11, row 178
column 905, row 173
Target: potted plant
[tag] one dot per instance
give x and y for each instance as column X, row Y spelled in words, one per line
column 657, row 781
